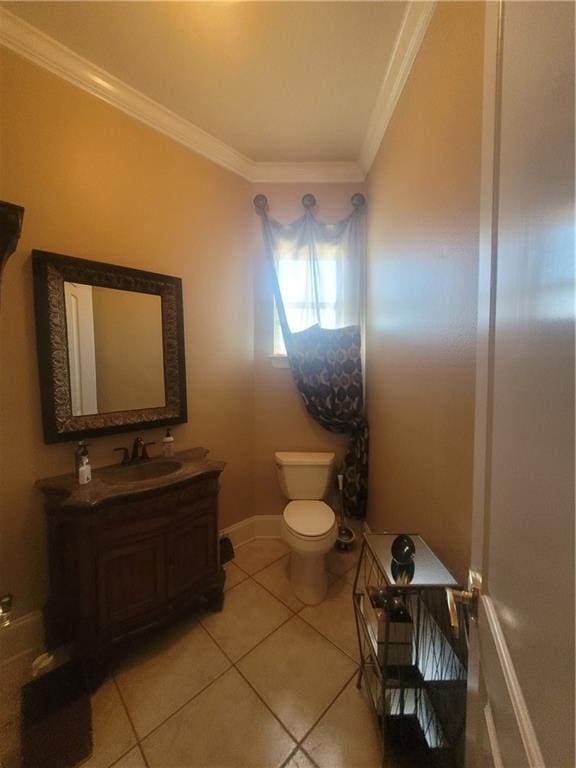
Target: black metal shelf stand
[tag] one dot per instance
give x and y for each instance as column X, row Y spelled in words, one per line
column 411, row 661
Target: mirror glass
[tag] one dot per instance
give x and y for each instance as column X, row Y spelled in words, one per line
column 110, row 345
column 115, row 353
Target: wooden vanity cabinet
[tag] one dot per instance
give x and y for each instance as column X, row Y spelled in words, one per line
column 129, row 560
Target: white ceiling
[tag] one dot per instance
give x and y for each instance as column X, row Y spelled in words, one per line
column 274, row 82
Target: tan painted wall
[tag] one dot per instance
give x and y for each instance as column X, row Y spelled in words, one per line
column 128, row 350
column 423, row 227
column 98, row 185
column 280, row 419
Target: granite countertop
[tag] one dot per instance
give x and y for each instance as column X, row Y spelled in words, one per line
column 105, row 487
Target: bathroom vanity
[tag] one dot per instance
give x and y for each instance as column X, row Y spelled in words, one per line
column 130, row 550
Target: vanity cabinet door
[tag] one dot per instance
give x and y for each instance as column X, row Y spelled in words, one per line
column 192, row 552
column 131, row 581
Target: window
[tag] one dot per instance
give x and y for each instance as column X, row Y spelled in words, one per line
column 310, row 291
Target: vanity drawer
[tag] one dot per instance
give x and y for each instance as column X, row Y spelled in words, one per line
column 124, row 522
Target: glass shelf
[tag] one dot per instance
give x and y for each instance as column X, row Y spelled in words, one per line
column 413, row 666
column 429, row 572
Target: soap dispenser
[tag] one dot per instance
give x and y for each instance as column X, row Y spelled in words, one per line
column 85, row 471
column 168, row 444
column 79, row 453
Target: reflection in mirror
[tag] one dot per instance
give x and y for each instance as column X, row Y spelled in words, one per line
column 114, row 349
column 110, row 347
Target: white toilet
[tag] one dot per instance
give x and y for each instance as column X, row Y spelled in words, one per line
column 308, row 524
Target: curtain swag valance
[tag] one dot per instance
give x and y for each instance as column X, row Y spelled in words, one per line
column 324, row 264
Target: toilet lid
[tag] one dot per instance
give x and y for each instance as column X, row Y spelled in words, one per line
column 309, row 518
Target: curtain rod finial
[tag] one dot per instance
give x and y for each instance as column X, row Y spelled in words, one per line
column 261, row 203
column 309, row 202
column 358, row 200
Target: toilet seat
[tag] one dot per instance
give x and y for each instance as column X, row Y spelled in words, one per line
column 309, row 519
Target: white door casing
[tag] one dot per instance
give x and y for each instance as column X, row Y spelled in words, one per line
column 521, row 673
column 81, row 348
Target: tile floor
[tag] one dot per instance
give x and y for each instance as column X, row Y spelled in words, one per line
column 266, row 683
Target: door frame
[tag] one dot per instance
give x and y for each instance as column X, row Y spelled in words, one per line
column 486, row 636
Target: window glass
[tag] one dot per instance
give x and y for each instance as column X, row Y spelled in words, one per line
column 300, row 286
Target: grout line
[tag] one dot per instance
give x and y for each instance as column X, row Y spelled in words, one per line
column 278, row 597
column 324, row 711
column 322, row 633
column 143, row 755
column 285, row 763
column 221, row 674
column 314, row 763
column 263, row 567
column 292, row 754
column 292, row 612
column 233, row 665
column 237, row 584
column 110, row 765
column 119, row 692
column 194, row 696
column 259, row 643
column 329, row 706
column 274, row 715
column 232, row 662
column 239, row 671
column 287, row 552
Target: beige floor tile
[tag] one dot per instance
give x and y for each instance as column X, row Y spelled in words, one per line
column 234, row 575
column 165, row 671
column 133, row 759
column 250, row 613
column 350, row 576
column 226, row 726
column 276, row 579
column 300, row 760
column 257, row 554
column 347, row 734
column 298, row 673
column 112, row 734
column 13, row 675
column 10, row 755
column 334, row 617
column 341, row 562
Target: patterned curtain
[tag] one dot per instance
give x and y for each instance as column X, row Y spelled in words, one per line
column 326, row 363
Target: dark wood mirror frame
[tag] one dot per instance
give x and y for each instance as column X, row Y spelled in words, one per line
column 51, row 271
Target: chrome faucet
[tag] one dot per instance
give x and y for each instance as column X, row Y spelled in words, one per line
column 139, row 452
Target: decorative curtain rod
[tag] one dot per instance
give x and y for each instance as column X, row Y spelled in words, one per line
column 308, row 201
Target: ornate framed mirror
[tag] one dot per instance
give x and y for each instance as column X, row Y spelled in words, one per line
column 110, row 347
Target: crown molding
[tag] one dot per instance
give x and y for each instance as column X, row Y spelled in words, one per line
column 412, row 30
column 27, row 41
column 335, row 172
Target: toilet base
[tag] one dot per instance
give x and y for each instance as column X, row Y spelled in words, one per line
column 308, row 576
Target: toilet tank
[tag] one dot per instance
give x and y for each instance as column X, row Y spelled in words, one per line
column 304, row 475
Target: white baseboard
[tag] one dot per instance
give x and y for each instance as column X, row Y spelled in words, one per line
column 23, row 635
column 20, row 643
column 255, row 527
column 267, row 526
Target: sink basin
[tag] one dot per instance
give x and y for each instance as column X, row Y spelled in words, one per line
column 138, row 473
